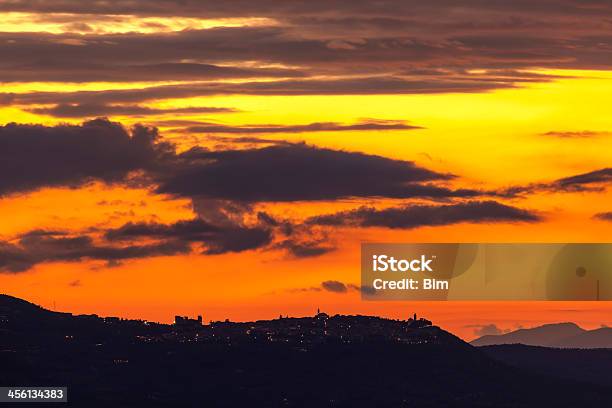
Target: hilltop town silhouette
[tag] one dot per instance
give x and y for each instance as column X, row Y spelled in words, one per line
column 319, row 328
column 315, row 361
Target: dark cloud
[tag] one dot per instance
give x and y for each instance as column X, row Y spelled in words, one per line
column 34, row 248
column 367, row 290
column 298, row 240
column 305, row 248
column 605, row 216
column 216, row 239
column 228, row 234
column 394, row 46
column 70, row 155
column 593, row 181
column 126, row 242
column 427, row 215
column 189, row 230
column 575, row 134
column 340, row 86
column 584, row 181
column 286, row 227
column 341, row 287
column 98, row 110
column 364, row 125
column 226, row 142
column 334, row 286
column 64, row 67
column 38, row 156
column 345, row 39
column 301, row 173
column 226, row 213
column 246, row 8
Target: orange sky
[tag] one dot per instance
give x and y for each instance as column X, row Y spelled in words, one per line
column 491, row 139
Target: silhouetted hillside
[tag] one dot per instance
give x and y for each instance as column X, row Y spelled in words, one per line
column 560, row 335
column 18, row 308
column 581, row 365
column 319, row 361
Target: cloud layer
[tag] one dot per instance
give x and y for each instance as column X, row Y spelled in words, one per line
column 216, row 239
column 298, row 172
column 226, row 187
column 364, row 125
column 342, row 48
column 38, row 156
column 427, row 215
column 39, row 246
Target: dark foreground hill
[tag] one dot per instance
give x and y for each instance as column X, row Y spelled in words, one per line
column 559, row 335
column 321, row 361
column 593, row 366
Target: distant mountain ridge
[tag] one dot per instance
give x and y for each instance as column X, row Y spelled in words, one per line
column 559, row 335
column 598, row 338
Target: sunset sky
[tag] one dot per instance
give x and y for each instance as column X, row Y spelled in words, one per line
column 227, row 158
